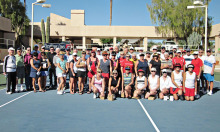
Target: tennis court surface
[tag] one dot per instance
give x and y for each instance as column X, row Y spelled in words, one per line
column 30, row 112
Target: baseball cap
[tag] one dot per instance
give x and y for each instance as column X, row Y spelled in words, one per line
column 127, row 68
column 92, row 51
column 178, row 51
column 74, row 54
column 11, row 48
column 154, row 48
column 18, row 48
column 141, row 54
column 184, row 51
column 83, row 52
column 158, row 53
column 111, row 48
column 115, row 71
column 140, row 70
column 131, row 48
column 195, row 52
column 42, row 47
column 209, row 50
column 36, row 45
column 177, row 65
column 141, row 49
column 155, row 55
column 170, row 53
column 188, row 50
column 190, row 66
column 162, row 47
column 98, row 49
column 153, row 69
column 164, row 71
column 127, row 55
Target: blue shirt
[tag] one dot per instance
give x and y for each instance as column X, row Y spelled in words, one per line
column 62, row 65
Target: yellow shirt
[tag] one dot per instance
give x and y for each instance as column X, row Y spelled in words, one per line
column 134, row 61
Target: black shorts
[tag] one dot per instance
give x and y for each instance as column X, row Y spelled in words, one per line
column 71, row 75
column 81, row 73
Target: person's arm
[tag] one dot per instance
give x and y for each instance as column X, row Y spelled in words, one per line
column 184, row 79
column 158, row 83
column 145, row 82
column 132, row 79
column 71, row 68
column 213, row 68
column 150, row 65
column 149, row 84
column 4, row 66
column 77, row 64
column 87, row 62
column 110, row 67
column 103, row 86
column 54, row 61
column 172, row 78
column 67, row 67
column 118, row 84
column 99, row 64
column 109, row 86
column 195, row 85
column 135, row 67
column 136, row 84
column 32, row 64
column 116, row 67
column 48, row 62
column 122, row 70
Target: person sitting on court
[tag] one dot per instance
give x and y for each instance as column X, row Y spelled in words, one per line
column 153, row 83
column 45, row 64
column 114, row 83
column 127, row 82
column 98, row 84
column 62, row 69
column 140, row 84
column 177, row 78
column 189, row 83
column 165, row 82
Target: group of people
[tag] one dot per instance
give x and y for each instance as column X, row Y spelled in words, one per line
column 113, row 73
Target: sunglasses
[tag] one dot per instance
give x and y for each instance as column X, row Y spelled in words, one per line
column 61, row 54
column 153, row 71
column 99, row 72
column 200, row 52
column 208, row 51
column 104, row 55
column 51, row 49
column 28, row 50
column 115, row 73
column 164, row 72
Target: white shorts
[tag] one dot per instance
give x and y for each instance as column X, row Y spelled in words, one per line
column 61, row 75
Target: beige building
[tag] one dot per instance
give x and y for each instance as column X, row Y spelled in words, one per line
column 74, row 29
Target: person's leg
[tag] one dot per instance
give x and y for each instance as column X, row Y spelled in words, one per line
column 79, row 83
column 21, row 81
column 211, row 86
column 191, row 98
column 175, row 97
column 207, row 85
column 50, row 76
column 55, row 77
column 82, row 83
column 44, row 82
column 39, row 84
column 187, row 98
column 161, row 95
column 13, row 81
column 71, row 85
column 8, row 82
column 147, row 95
column 33, row 83
column 61, row 83
column 90, row 85
column 127, row 91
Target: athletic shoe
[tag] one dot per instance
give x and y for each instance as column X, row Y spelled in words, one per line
column 97, row 95
column 204, row 92
column 210, row 93
column 58, row 92
column 207, row 91
column 94, row 96
column 8, row 93
column 21, row 89
column 197, row 96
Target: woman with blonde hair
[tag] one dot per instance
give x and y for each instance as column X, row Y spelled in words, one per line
column 98, row 84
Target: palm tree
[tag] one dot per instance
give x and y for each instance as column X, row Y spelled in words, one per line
column 110, row 12
column 24, row 3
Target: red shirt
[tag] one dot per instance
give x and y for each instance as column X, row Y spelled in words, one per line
column 127, row 63
column 197, row 64
column 180, row 60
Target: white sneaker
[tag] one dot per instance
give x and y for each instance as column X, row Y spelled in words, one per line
column 21, row 89
column 8, row 93
column 207, row 91
column 94, row 96
column 58, row 92
column 97, row 95
column 210, row 93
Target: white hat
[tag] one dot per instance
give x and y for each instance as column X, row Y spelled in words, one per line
column 178, row 51
column 74, row 54
column 42, row 47
column 36, row 45
column 195, row 52
column 11, row 48
column 158, row 53
column 98, row 49
column 131, row 48
column 174, row 47
column 164, row 70
column 154, row 48
column 153, row 69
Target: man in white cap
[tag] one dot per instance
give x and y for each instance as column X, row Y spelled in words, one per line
column 9, row 70
column 98, row 55
column 43, row 48
column 188, row 58
column 131, row 51
column 154, row 51
column 141, row 51
column 36, row 47
column 163, row 50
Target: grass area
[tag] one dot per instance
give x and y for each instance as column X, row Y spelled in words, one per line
column 217, row 76
column 2, row 81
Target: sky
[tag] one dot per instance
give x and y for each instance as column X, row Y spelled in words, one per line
column 97, row 12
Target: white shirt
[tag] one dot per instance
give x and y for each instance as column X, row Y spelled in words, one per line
column 202, row 58
column 99, row 57
column 11, row 64
column 153, row 81
column 162, row 56
column 165, row 83
column 141, row 82
column 188, row 59
column 190, row 80
column 178, row 78
column 208, row 63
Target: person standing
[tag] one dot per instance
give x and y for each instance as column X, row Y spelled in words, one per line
column 202, row 78
column 35, row 71
column 45, row 64
column 87, row 54
column 141, row 51
column 9, row 70
column 188, row 58
column 55, row 59
column 43, row 48
column 62, row 69
column 189, row 83
column 133, row 58
column 99, row 56
column 180, row 60
column 92, row 63
column 163, row 50
column 73, row 73
column 142, row 64
column 156, row 63
column 167, row 64
column 131, row 51
column 197, row 63
column 27, row 58
column 209, row 66
column 20, row 70
column 52, row 70
column 127, row 63
column 36, row 49
column 110, row 52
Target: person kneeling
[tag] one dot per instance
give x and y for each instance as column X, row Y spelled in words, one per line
column 140, row 84
column 114, row 83
column 153, row 82
column 98, row 84
column 127, row 82
column 189, row 83
column 165, row 82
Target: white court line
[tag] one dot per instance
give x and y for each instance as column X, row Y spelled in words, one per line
column 15, row 99
column 155, row 126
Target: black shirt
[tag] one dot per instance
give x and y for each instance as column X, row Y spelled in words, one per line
column 157, row 65
column 50, row 57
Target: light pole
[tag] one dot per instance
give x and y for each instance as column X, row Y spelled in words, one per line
column 32, row 21
column 206, row 18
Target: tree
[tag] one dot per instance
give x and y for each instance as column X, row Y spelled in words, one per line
column 108, row 40
column 172, row 17
column 194, row 39
column 43, row 31
column 16, row 12
column 48, row 30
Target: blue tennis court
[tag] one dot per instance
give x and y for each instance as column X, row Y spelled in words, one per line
column 29, row 111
